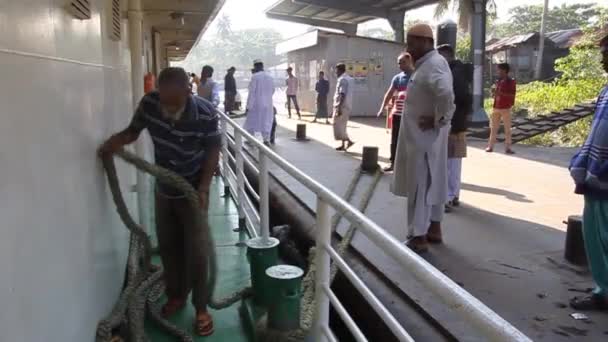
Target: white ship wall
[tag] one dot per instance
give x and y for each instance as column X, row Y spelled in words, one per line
column 64, row 87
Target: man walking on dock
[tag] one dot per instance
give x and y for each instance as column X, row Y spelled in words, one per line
column 229, row 90
column 322, row 89
column 259, row 103
column 589, row 169
column 343, row 104
column 184, row 129
column 292, row 92
column 504, row 99
column 421, row 161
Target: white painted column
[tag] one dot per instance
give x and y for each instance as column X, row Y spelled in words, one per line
column 135, row 17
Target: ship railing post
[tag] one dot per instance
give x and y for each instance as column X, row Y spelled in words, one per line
column 225, row 157
column 240, row 178
column 322, row 272
column 264, row 197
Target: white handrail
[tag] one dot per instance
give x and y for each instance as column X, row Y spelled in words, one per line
column 494, row 327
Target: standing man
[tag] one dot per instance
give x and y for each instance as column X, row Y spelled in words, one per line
column 504, row 99
column 397, row 91
column 589, row 169
column 229, row 90
column 457, row 140
column 208, row 88
column 259, row 102
column 343, row 104
column 322, row 89
column 184, row 129
column 292, row 92
column 421, row 160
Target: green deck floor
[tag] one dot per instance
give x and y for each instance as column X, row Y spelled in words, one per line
column 233, row 274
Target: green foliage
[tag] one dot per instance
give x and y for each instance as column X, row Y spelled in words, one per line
column 463, row 49
column 527, row 19
column 234, row 48
column 377, row 33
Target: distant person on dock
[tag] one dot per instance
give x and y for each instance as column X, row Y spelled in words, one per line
column 322, row 89
column 259, row 103
column 589, row 169
column 208, row 88
column 292, row 92
column 421, row 160
column 457, row 140
column 397, row 94
column 343, row 104
column 189, row 126
column 229, row 90
column 194, row 81
column 504, row 99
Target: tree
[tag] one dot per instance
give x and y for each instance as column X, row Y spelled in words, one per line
column 463, row 49
column 464, row 9
column 527, row 19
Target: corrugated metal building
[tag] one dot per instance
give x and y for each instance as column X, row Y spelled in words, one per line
column 371, row 62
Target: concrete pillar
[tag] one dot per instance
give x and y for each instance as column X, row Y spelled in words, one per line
column 396, row 19
column 478, row 46
column 136, row 45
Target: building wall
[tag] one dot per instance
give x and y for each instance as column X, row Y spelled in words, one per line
column 64, row 87
column 368, row 91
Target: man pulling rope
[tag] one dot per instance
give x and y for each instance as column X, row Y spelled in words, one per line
column 187, row 141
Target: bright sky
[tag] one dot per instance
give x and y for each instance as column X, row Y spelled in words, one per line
column 250, row 14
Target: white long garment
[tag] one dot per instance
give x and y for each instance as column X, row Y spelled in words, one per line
column 259, row 104
column 421, row 160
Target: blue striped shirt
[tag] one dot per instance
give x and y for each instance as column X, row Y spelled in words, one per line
column 179, row 145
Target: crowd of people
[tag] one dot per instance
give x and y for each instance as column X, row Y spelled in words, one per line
column 429, row 104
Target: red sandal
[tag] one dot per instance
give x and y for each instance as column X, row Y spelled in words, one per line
column 172, row 306
column 203, row 324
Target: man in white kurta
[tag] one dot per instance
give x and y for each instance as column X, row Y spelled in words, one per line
column 421, row 161
column 259, row 103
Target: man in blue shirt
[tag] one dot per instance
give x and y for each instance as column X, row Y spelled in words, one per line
column 589, row 169
column 184, row 130
column 322, row 89
column 397, row 93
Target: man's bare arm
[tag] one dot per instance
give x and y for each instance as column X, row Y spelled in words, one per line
column 118, row 140
column 386, row 100
column 212, row 156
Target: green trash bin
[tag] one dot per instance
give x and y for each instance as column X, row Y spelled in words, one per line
column 284, row 309
column 262, row 254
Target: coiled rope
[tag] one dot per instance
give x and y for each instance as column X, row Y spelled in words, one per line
column 143, row 287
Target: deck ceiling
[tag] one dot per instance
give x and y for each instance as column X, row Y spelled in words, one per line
column 338, row 13
column 180, row 22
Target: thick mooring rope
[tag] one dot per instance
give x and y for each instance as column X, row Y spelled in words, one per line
column 144, row 288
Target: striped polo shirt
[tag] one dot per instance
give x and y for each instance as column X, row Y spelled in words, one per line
column 179, row 145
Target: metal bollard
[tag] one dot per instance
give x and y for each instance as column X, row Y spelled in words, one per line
column 262, row 254
column 575, row 245
column 301, row 132
column 286, row 286
column 369, row 160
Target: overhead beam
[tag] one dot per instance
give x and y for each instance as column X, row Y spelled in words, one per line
column 413, row 4
column 347, row 28
column 346, row 6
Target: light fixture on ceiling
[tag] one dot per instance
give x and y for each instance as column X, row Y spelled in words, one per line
column 178, row 16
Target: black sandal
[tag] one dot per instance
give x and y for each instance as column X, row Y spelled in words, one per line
column 594, row 302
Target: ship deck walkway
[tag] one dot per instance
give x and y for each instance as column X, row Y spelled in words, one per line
column 504, row 244
column 233, row 274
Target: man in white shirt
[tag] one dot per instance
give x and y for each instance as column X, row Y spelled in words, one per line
column 343, row 104
column 421, row 161
column 259, row 103
column 292, row 92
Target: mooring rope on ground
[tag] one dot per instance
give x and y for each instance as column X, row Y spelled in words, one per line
column 143, row 287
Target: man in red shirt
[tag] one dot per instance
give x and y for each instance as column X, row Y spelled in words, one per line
column 504, row 98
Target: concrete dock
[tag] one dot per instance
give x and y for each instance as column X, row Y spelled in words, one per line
column 504, row 244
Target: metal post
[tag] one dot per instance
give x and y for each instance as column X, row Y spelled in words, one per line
column 263, row 192
column 478, row 44
column 225, row 157
column 395, row 19
column 240, row 178
column 322, row 272
column 136, row 46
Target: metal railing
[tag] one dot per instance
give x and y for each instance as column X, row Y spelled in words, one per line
column 490, row 324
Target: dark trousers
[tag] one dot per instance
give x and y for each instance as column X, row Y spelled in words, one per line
column 395, row 136
column 183, row 250
column 273, row 129
column 229, row 98
column 321, row 106
column 295, row 104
